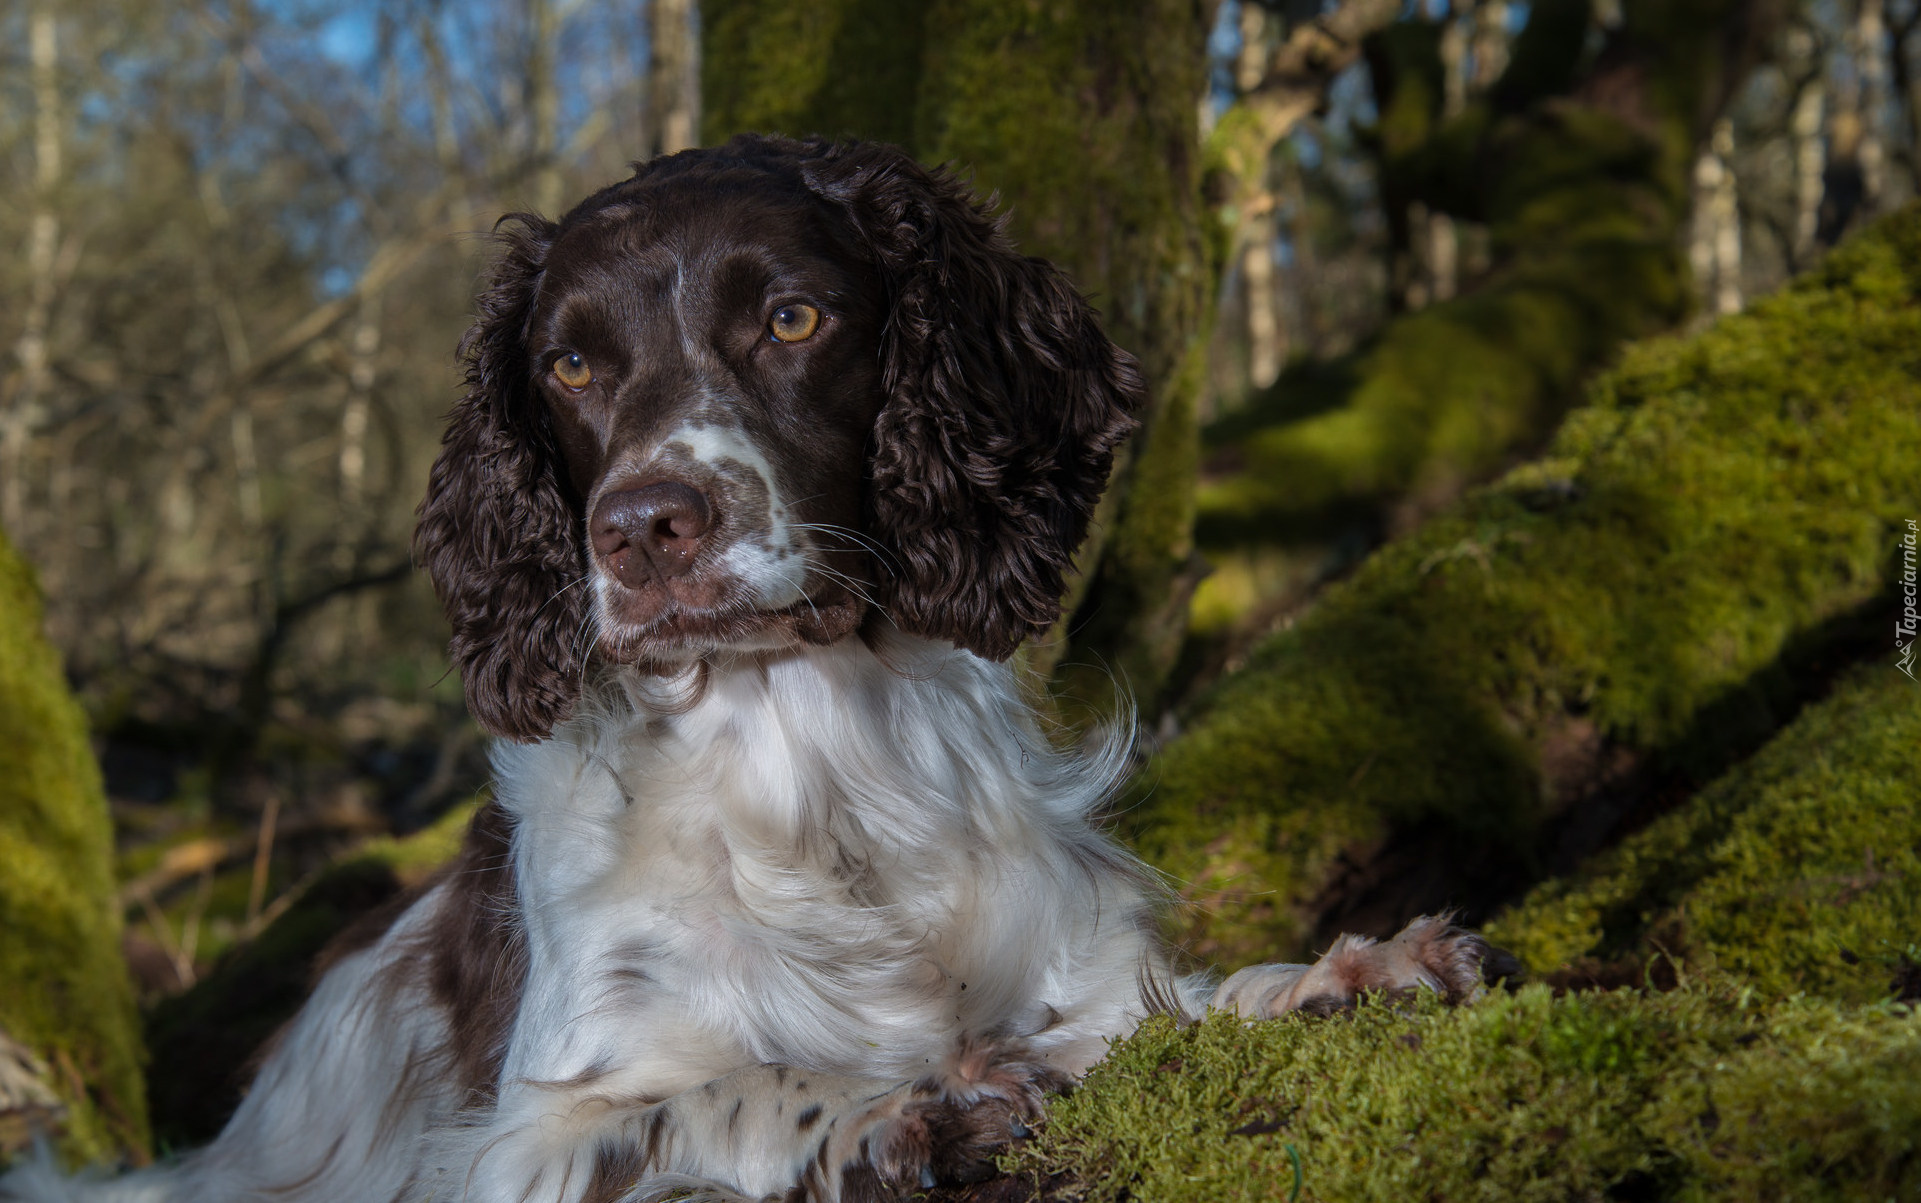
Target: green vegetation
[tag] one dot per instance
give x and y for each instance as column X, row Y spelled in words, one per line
column 1701, row 1093
column 1799, row 870
column 64, row 992
column 1642, row 604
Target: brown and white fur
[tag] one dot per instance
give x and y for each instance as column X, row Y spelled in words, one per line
column 784, row 891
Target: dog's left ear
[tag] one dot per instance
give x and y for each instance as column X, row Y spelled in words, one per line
column 1004, row 404
column 499, row 534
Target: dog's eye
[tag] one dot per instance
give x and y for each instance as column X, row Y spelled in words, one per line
column 794, row 323
column 571, row 370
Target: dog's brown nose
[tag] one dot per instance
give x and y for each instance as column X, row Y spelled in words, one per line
column 664, row 520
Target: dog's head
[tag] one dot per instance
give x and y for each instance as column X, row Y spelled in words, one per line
column 748, row 399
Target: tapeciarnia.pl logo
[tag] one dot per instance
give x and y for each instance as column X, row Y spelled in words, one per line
column 1905, row 626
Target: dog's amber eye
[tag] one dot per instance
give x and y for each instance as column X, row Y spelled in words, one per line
column 571, row 370
column 794, row 323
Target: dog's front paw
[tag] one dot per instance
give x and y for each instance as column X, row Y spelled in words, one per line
column 946, row 1128
column 1430, row 953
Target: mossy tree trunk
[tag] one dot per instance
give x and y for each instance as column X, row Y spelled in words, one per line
column 1081, row 116
column 1575, row 647
column 65, row 998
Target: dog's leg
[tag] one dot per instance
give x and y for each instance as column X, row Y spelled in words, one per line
column 1429, row 953
column 766, row 1131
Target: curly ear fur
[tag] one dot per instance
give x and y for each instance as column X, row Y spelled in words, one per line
column 498, row 534
column 1005, row 402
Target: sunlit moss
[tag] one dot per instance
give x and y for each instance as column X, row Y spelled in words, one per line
column 1585, row 234
column 1703, row 1093
column 64, row 992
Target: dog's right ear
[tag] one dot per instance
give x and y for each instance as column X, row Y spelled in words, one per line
column 499, row 535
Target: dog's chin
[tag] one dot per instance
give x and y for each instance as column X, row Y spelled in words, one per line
column 680, row 635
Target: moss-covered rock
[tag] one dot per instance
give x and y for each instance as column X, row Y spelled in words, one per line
column 1625, row 617
column 1705, row 1092
column 64, row 993
column 1799, row 870
column 1783, row 903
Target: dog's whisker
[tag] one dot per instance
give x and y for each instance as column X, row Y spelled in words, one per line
column 557, row 594
column 852, row 584
column 890, row 563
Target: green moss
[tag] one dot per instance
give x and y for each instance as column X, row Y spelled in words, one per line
column 1702, row 1093
column 1800, row 870
column 64, row 992
column 1723, row 506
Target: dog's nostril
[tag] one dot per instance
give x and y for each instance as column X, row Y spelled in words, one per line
column 678, row 511
column 665, row 520
column 679, row 526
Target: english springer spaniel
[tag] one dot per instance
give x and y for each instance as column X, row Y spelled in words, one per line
column 769, row 458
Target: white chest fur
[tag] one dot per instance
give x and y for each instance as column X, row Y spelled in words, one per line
column 843, row 859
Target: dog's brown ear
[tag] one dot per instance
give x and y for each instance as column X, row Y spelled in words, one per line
column 499, row 535
column 1005, row 401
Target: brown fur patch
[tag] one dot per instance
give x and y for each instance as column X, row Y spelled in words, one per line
column 476, row 952
column 471, row 956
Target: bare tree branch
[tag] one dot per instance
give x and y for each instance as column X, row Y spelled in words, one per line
column 1305, row 65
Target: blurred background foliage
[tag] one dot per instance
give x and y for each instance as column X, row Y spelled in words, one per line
column 1370, row 252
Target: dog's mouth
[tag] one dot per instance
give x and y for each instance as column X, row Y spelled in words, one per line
column 694, row 549
column 677, row 631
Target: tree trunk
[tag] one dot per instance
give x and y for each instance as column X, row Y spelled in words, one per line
column 1906, row 83
column 1575, row 647
column 1870, row 47
column 1081, row 117
column 24, row 413
column 1714, row 244
column 64, row 994
column 673, row 85
column 1810, row 158
column 543, row 105
column 1266, row 344
column 1852, row 183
